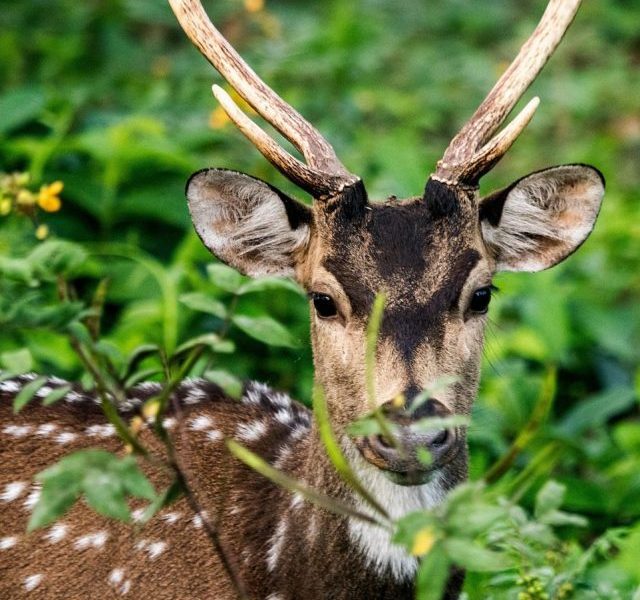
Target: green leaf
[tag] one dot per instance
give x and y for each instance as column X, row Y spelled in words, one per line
column 18, row 361
column 133, row 479
column 549, row 498
column 19, row 106
column 225, row 277
column 264, row 284
column 228, row 382
column 203, row 303
column 102, row 477
column 211, row 340
column 137, row 356
column 27, row 393
column 432, row 574
column 51, row 506
column 105, row 494
column 266, row 330
column 55, row 395
column 474, row 557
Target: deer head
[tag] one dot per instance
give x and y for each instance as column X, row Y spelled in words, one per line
column 433, row 256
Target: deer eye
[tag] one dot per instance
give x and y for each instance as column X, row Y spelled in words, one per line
column 324, row 305
column 480, row 300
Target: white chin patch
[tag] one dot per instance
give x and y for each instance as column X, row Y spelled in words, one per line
column 385, row 557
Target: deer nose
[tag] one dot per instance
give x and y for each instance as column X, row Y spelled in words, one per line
column 403, row 456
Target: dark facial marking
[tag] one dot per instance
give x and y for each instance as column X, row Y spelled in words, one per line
column 409, row 326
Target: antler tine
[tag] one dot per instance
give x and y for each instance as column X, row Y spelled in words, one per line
column 324, row 173
column 470, row 154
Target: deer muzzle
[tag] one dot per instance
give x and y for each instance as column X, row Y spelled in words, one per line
column 407, row 455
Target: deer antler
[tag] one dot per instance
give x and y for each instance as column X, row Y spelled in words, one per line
column 324, row 174
column 473, row 152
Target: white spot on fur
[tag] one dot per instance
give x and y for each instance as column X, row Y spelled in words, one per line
column 153, row 549
column 8, row 542
column 170, row 517
column 32, row 582
column 12, row 491
column 44, row 391
column 213, row 435
column 66, row 437
column 274, row 596
column 296, row 501
column 283, row 455
column 250, row 432
column 116, row 579
column 17, row 431
column 283, row 416
column 72, row 397
column 46, row 429
column 201, row 423
column 32, row 499
column 10, row 386
column 57, row 533
column 100, row 430
column 137, row 514
column 169, row 423
column 276, row 543
column 195, row 396
column 375, row 542
column 91, row 540
column 116, row 576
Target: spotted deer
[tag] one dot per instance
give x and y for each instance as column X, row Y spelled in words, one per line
column 433, row 256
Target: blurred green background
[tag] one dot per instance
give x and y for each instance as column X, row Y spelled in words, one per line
column 110, row 98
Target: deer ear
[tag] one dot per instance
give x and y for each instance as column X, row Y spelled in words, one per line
column 246, row 223
column 542, row 218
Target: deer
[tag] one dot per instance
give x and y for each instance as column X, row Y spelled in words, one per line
column 433, row 256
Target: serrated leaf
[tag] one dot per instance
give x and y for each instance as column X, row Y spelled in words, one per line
column 264, row 284
column 225, row 277
column 51, row 506
column 203, row 303
column 26, row 394
column 266, row 330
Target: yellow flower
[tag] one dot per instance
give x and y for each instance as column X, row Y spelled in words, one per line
column 253, row 6
column 150, row 409
column 49, row 197
column 423, row 542
column 136, row 425
column 5, row 206
column 42, row 232
column 218, row 118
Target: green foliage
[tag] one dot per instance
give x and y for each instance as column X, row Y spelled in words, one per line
column 122, row 278
column 103, row 479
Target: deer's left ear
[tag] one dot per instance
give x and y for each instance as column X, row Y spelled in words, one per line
column 542, row 218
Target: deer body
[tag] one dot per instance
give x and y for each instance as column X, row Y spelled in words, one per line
column 432, row 256
column 281, row 543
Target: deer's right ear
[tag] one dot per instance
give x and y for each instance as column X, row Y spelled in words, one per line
column 246, row 223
